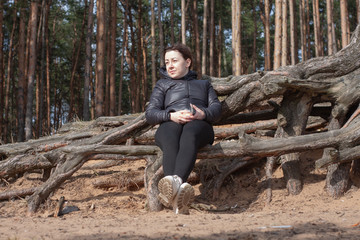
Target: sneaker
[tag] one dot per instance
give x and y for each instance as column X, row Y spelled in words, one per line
column 168, row 187
column 183, row 199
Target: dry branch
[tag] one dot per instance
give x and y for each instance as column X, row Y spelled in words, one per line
column 332, row 80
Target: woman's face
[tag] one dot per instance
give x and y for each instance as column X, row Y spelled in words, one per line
column 176, row 65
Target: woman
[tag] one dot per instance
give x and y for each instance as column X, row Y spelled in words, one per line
column 185, row 108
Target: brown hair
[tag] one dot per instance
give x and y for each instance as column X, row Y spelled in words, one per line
column 182, row 49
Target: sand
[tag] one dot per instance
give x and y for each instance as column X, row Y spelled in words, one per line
column 240, row 212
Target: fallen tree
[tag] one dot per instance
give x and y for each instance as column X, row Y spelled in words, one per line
column 312, row 105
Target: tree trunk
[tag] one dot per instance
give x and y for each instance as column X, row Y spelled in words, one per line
column 307, row 26
column 284, row 35
column 197, row 62
column 113, row 58
column 100, row 58
column 153, row 43
column 144, row 83
column 265, row 18
column 236, row 36
column 220, row 42
column 358, row 11
column 204, row 38
column 183, row 22
column 330, row 28
column 344, row 23
column 293, row 46
column 31, row 71
column 9, row 74
column 277, row 36
column 76, row 50
column 292, row 119
column 254, row 37
column 161, row 34
column 212, row 38
column 172, row 29
column 131, row 61
column 123, row 55
column 140, row 91
column 21, row 75
column 48, row 92
column 1, row 69
column 303, row 30
column 317, row 29
column 87, row 79
column 338, row 176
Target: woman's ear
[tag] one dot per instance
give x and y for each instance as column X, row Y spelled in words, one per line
column 188, row 62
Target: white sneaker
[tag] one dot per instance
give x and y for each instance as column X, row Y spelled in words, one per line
column 183, row 199
column 168, row 187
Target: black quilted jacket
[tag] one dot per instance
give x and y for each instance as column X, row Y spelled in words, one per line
column 171, row 95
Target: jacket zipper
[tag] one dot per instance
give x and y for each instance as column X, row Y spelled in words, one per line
column 188, row 92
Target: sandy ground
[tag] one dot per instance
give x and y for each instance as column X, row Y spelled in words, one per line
column 239, row 213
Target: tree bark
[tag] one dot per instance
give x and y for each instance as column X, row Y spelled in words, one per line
column 172, row 29
column 330, row 28
column 1, row 69
column 113, row 58
column 284, row 35
column 236, row 36
column 277, row 36
column 212, row 39
column 293, row 48
column 204, row 38
column 197, row 62
column 31, row 71
column 317, row 29
column 123, row 55
column 9, row 73
column 100, row 58
column 183, row 21
column 21, row 75
column 265, row 18
column 87, row 79
column 292, row 120
column 161, row 35
column 344, row 23
column 153, row 43
column 48, row 87
column 358, row 11
column 220, row 42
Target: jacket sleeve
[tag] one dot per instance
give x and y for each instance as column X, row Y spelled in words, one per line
column 213, row 111
column 155, row 112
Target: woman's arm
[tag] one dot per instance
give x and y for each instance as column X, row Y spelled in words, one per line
column 155, row 112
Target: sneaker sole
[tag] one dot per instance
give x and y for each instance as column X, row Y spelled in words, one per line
column 184, row 200
column 166, row 194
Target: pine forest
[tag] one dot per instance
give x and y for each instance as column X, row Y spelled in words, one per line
column 69, row 60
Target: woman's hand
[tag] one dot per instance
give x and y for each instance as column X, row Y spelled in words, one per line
column 181, row 117
column 199, row 114
column 184, row 116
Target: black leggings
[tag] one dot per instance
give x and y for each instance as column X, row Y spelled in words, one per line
column 180, row 144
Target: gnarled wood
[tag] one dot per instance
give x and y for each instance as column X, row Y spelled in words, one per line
column 333, row 81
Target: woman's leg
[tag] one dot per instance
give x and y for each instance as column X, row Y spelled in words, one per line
column 167, row 137
column 195, row 135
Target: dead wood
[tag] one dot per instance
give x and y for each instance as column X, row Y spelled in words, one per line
column 263, row 101
column 59, row 207
column 13, row 194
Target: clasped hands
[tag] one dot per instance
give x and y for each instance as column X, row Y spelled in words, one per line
column 185, row 116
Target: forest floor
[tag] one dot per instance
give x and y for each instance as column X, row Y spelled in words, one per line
column 239, row 213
